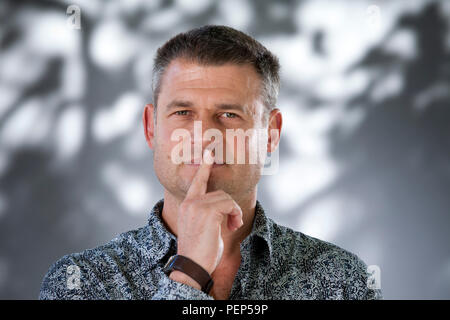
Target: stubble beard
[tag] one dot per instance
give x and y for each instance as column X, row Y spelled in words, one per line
column 237, row 183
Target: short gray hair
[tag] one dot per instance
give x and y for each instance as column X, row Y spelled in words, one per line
column 217, row 45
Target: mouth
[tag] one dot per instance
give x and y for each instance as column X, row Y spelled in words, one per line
column 215, row 165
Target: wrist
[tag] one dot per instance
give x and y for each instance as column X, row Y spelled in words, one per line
column 192, row 271
column 181, row 277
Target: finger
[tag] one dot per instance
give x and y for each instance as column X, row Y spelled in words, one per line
column 231, row 209
column 235, row 219
column 199, row 183
column 215, row 196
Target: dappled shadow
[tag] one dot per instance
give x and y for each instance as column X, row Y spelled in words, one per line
column 394, row 163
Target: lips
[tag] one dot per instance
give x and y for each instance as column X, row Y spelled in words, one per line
column 198, row 161
column 197, row 164
column 215, row 164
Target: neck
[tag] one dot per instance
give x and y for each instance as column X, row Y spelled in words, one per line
column 231, row 240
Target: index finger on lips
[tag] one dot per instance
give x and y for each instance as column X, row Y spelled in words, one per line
column 199, row 183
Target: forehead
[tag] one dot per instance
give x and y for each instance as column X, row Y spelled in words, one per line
column 186, row 79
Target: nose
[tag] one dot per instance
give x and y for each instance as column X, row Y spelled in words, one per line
column 206, row 133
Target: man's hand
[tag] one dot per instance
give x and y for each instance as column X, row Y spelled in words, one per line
column 200, row 218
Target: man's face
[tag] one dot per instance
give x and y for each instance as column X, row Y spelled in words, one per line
column 220, row 97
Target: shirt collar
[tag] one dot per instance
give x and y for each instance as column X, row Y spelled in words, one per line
column 263, row 228
column 159, row 236
column 162, row 238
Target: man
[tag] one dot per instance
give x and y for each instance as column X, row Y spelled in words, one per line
column 209, row 238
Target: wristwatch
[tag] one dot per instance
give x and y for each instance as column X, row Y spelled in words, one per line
column 192, row 269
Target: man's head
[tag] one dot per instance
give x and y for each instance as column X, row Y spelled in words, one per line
column 218, row 45
column 227, row 81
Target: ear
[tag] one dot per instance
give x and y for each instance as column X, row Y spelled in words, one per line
column 149, row 124
column 274, row 130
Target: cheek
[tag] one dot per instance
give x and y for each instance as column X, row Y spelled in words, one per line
column 176, row 150
column 163, row 147
column 163, row 136
column 163, row 132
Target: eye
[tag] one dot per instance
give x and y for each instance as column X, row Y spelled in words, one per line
column 181, row 112
column 230, row 115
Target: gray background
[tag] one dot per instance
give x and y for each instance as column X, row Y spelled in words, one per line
column 364, row 153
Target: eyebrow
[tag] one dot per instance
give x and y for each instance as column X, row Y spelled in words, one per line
column 178, row 103
column 221, row 106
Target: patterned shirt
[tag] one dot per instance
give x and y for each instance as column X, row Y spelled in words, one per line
column 277, row 263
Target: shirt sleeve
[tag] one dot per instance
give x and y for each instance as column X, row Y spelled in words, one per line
column 373, row 294
column 75, row 278
column 169, row 289
column 362, row 286
column 70, row 278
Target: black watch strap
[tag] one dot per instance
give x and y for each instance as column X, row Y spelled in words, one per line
column 192, row 269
